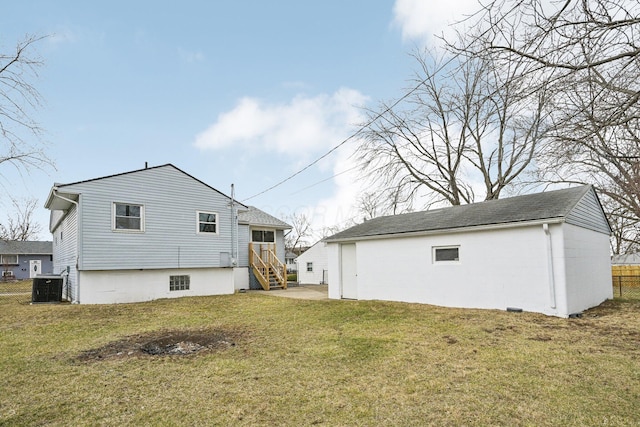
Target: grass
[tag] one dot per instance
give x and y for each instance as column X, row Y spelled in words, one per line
column 327, row 363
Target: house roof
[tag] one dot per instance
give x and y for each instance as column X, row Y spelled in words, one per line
column 57, row 203
column 626, row 259
column 549, row 205
column 254, row 216
column 25, row 248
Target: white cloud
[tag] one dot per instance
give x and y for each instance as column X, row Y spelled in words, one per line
column 340, row 209
column 420, row 20
column 303, row 126
column 190, row 56
column 304, row 123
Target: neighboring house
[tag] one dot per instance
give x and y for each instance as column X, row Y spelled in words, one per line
column 626, row 259
column 290, row 262
column 312, row 265
column 625, row 269
column 25, row 260
column 545, row 252
column 158, row 233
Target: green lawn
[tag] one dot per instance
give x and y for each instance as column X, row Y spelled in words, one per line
column 278, row 361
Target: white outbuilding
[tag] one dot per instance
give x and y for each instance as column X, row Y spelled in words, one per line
column 312, row 265
column 546, row 252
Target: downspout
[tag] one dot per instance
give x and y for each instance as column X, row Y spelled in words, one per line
column 55, row 194
column 234, row 231
column 552, row 282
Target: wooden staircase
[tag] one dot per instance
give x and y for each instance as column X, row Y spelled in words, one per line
column 270, row 272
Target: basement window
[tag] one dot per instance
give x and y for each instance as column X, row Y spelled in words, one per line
column 179, row 283
column 446, row 254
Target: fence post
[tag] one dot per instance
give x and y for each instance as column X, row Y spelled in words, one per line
column 620, row 286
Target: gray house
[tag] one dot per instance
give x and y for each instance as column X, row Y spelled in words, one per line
column 159, row 233
column 25, row 260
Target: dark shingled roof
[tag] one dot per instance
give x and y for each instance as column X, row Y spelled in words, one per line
column 25, row 248
column 531, row 207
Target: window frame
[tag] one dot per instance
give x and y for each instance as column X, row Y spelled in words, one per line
column 216, row 223
column 310, row 267
column 125, row 230
column 179, row 282
column 263, row 230
column 435, row 259
column 3, row 262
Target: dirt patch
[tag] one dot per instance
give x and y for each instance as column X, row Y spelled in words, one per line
column 165, row 343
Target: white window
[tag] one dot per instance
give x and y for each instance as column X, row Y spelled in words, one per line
column 179, row 283
column 263, row 236
column 310, row 266
column 446, row 254
column 9, row 259
column 127, row 217
column 207, row 222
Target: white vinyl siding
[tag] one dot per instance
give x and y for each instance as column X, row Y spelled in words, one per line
column 65, row 252
column 588, row 214
column 170, row 238
column 243, row 245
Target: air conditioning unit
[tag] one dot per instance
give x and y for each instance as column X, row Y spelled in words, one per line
column 47, row 289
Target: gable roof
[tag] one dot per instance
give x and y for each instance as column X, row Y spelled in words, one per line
column 626, row 259
column 25, row 248
column 60, row 188
column 551, row 205
column 254, row 216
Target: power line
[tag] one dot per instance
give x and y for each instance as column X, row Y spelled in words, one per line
column 306, row 167
column 344, row 141
column 324, row 180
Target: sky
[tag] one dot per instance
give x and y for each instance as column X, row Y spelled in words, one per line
column 247, row 92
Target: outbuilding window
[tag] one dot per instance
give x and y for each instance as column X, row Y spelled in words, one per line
column 446, row 254
column 127, row 217
column 310, row 266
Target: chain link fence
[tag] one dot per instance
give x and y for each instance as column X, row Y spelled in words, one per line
column 626, row 287
column 16, row 291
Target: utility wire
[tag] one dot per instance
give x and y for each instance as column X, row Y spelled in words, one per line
column 324, row 180
column 344, row 141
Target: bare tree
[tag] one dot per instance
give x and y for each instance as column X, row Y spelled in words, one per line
column 469, row 125
column 300, row 231
column 20, row 224
column 626, row 228
column 586, row 54
column 20, row 135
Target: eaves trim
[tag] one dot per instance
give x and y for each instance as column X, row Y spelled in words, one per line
column 473, row 228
